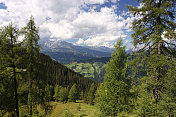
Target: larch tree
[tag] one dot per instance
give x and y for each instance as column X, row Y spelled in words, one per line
column 154, row 29
column 10, row 58
column 31, row 38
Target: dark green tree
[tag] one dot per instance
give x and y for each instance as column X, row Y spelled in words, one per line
column 73, row 94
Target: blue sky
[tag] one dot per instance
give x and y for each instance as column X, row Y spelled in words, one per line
column 3, row 6
column 81, row 22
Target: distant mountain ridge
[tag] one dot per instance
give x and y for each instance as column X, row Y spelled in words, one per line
column 100, row 48
column 65, row 52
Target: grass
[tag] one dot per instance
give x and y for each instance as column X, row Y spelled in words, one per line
column 68, row 109
column 78, row 109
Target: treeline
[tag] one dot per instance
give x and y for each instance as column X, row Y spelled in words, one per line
column 143, row 84
column 29, row 78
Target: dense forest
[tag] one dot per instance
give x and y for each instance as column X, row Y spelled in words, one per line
column 142, row 84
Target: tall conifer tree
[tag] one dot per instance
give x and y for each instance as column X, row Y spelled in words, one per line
column 73, row 93
column 154, row 29
column 10, row 57
column 32, row 48
column 116, row 89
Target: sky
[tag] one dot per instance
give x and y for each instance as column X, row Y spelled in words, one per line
column 81, row 22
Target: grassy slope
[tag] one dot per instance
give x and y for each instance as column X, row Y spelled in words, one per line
column 90, row 70
column 86, row 110
column 60, row 109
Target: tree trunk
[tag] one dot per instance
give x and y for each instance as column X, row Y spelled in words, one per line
column 16, row 93
column 14, row 76
column 30, row 97
column 157, row 77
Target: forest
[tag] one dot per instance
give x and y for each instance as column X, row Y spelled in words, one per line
column 142, row 84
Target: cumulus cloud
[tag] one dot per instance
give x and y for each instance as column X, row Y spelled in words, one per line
column 64, row 20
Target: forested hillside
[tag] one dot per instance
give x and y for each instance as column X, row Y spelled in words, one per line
column 58, row 74
column 139, row 84
column 29, row 78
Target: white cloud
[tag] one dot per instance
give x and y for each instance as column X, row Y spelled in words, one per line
column 64, row 20
column 114, row 1
column 95, row 1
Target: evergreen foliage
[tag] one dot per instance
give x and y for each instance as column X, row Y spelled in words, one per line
column 63, row 94
column 24, row 69
column 48, row 93
column 85, row 98
column 9, row 63
column 56, row 92
column 154, row 29
column 91, row 93
column 115, row 92
column 155, row 21
column 73, row 95
column 31, row 37
column 82, row 95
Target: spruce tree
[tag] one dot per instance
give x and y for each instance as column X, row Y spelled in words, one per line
column 91, row 93
column 116, row 89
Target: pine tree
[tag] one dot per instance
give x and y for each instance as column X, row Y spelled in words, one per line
column 116, row 92
column 101, row 99
column 31, row 38
column 73, row 95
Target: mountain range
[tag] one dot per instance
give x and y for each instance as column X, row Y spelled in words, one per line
column 90, row 61
column 65, row 52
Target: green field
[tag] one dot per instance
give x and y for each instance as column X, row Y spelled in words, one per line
column 94, row 70
column 78, row 109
